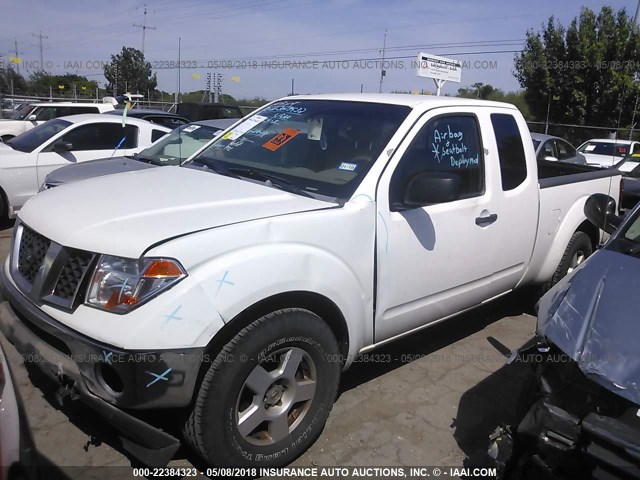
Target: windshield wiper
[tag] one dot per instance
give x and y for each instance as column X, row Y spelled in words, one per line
column 213, row 165
column 270, row 180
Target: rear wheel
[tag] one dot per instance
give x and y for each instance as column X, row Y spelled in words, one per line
column 578, row 250
column 268, row 394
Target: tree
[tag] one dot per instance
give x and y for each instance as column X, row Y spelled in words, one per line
column 489, row 92
column 582, row 74
column 10, row 80
column 40, row 83
column 129, row 72
column 479, row 90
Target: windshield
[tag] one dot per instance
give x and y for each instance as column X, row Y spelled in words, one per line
column 316, row 147
column 29, row 141
column 178, row 145
column 21, row 112
column 605, row 148
column 535, row 143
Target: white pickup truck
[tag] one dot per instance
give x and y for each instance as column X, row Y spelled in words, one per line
column 235, row 290
column 37, row 113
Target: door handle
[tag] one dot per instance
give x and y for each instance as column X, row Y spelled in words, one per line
column 488, row 220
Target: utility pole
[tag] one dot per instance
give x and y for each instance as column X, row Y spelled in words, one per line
column 218, row 88
column 15, row 44
column 382, row 70
column 178, row 91
column 209, row 85
column 144, row 26
column 41, row 37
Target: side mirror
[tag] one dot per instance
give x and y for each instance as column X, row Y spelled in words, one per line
column 600, row 209
column 431, row 187
column 31, row 118
column 62, row 147
column 551, row 159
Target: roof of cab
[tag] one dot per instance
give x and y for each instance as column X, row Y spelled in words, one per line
column 98, row 117
column 427, row 101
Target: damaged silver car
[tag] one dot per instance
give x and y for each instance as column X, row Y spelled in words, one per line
column 584, row 421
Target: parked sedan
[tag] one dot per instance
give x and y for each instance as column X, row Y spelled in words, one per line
column 630, row 168
column 28, row 158
column 556, row 149
column 606, row 152
column 173, row 149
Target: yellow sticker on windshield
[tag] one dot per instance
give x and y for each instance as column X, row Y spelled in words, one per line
column 279, row 140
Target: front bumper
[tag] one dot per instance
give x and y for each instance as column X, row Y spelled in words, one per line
column 105, row 378
column 574, row 428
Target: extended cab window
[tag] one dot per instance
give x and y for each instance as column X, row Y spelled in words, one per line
column 513, row 164
column 102, row 136
column 449, row 144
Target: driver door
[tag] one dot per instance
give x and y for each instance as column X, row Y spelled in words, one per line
column 87, row 142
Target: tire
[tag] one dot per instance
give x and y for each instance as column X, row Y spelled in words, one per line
column 577, row 251
column 246, row 413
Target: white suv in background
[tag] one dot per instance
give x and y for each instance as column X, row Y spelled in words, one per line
column 37, row 113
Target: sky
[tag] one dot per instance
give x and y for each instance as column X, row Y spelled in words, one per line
column 260, row 47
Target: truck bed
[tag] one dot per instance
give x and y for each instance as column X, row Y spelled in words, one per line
column 552, row 174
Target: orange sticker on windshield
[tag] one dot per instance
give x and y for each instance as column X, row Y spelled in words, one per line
column 279, row 140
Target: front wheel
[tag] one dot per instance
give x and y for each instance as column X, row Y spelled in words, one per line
column 268, row 394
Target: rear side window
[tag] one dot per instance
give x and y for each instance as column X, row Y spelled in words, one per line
column 46, row 113
column 448, row 143
column 564, row 150
column 169, row 122
column 64, row 111
column 156, row 134
column 513, row 164
column 103, row 136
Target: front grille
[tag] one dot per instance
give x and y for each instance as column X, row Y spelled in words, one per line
column 71, row 274
column 46, row 271
column 33, row 248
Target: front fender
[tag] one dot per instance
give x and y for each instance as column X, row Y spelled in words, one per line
column 241, row 278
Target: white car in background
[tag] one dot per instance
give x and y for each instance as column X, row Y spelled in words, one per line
column 27, row 159
column 172, row 150
column 34, row 114
column 606, row 152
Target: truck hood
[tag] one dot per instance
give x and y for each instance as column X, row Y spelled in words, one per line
column 592, row 316
column 125, row 214
column 94, row 168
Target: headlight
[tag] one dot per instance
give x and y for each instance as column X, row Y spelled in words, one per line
column 121, row 284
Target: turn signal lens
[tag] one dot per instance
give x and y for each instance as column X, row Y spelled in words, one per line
column 162, row 269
